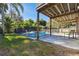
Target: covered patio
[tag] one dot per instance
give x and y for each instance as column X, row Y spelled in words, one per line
column 61, row 41
column 61, row 12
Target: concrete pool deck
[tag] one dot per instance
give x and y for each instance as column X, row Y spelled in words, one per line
column 61, row 40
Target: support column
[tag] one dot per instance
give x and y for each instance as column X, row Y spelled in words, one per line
column 77, row 26
column 50, row 26
column 37, row 25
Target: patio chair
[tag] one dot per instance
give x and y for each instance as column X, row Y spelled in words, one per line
column 73, row 33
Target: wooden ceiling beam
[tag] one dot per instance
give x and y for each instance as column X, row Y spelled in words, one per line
column 73, row 16
column 57, row 9
column 45, row 13
column 69, row 10
column 49, row 13
column 44, row 6
column 53, row 14
column 53, row 11
column 68, row 7
column 66, row 18
column 62, row 20
column 70, row 20
column 57, row 19
column 41, row 5
column 72, row 12
column 75, row 6
column 62, row 7
column 70, row 16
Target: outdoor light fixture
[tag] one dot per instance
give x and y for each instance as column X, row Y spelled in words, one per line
column 78, row 7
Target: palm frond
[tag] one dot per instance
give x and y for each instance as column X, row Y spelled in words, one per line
column 21, row 7
column 16, row 8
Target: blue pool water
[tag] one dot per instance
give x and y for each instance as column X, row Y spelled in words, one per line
column 33, row 34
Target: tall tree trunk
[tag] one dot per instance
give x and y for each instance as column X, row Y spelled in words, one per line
column 3, row 20
column 10, row 10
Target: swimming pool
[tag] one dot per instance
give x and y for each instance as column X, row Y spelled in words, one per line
column 33, row 35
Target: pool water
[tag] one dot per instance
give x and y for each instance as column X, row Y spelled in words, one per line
column 34, row 34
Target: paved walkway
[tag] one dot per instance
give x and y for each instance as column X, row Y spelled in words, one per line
column 61, row 40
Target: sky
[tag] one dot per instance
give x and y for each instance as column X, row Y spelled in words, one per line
column 30, row 12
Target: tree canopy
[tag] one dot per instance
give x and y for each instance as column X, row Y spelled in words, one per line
column 42, row 22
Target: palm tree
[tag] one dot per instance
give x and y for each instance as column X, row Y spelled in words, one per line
column 8, row 24
column 4, row 7
column 15, row 6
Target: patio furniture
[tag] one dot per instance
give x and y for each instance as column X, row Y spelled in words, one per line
column 73, row 33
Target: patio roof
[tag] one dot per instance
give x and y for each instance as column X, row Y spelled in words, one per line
column 58, row 11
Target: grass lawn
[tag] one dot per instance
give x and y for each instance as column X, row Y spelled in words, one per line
column 16, row 45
